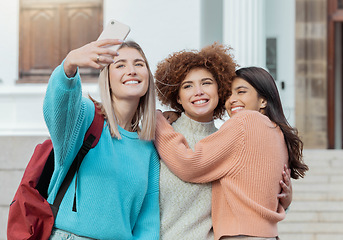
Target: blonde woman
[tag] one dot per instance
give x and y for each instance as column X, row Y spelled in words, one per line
column 117, row 185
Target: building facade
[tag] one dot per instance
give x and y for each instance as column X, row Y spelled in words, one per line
column 289, row 38
column 298, row 41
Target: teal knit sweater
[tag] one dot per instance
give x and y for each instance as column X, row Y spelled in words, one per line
column 117, row 192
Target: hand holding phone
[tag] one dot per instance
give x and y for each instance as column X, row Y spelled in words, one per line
column 84, row 56
column 114, row 30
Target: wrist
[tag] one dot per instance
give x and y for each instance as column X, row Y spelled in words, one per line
column 69, row 67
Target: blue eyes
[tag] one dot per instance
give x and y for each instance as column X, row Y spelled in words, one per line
column 136, row 64
column 190, row 85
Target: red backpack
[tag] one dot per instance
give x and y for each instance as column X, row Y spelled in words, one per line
column 30, row 215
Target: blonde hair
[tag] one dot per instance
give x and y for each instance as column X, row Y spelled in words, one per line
column 145, row 114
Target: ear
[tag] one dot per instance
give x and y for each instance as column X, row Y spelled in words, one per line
column 263, row 103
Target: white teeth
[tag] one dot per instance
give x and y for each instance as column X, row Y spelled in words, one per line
column 200, row 102
column 131, row 82
column 236, row 109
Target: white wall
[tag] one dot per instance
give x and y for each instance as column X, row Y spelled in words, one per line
column 9, row 47
column 247, row 25
column 280, row 23
column 244, row 31
column 160, row 27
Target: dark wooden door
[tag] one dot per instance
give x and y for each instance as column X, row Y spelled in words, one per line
column 50, row 29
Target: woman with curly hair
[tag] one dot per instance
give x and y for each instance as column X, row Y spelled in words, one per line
column 196, row 84
column 243, row 159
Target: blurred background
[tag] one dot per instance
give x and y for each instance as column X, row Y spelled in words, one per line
column 298, row 41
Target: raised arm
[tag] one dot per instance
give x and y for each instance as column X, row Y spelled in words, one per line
column 64, row 109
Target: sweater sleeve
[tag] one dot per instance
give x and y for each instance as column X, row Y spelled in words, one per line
column 213, row 157
column 64, row 111
column 148, row 222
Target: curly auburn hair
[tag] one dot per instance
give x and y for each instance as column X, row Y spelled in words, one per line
column 171, row 71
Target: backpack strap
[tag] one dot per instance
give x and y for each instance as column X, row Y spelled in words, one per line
column 91, row 139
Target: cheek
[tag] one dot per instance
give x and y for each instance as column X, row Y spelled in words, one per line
column 114, row 77
column 182, row 96
column 227, row 105
column 216, row 96
column 252, row 103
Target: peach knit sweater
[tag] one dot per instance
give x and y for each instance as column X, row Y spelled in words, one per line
column 244, row 161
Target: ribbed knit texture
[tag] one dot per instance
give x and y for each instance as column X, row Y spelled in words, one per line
column 245, row 160
column 118, row 181
column 186, row 207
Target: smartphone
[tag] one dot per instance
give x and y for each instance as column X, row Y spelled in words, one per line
column 114, row 30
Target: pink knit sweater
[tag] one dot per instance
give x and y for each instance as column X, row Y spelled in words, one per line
column 244, row 161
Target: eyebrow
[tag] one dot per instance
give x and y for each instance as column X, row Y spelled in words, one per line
column 206, row 78
column 236, row 88
column 183, row 83
column 125, row 60
column 202, row 80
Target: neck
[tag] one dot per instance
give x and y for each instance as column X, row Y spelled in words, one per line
column 202, row 119
column 125, row 110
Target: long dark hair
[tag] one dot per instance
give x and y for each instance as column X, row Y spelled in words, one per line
column 265, row 86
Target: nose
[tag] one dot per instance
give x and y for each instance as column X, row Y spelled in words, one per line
column 231, row 99
column 199, row 91
column 131, row 70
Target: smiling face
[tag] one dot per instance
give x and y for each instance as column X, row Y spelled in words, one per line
column 129, row 75
column 244, row 97
column 198, row 95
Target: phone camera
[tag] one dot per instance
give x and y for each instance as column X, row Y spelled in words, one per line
column 112, row 22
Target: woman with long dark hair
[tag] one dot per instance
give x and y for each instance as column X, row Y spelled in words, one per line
column 265, row 86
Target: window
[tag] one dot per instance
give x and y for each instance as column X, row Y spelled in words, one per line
column 49, row 29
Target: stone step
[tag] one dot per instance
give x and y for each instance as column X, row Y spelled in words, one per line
column 317, row 187
column 317, row 206
column 324, row 171
column 320, row 154
column 310, row 228
column 313, row 179
column 311, row 236
column 294, row 216
column 317, row 196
